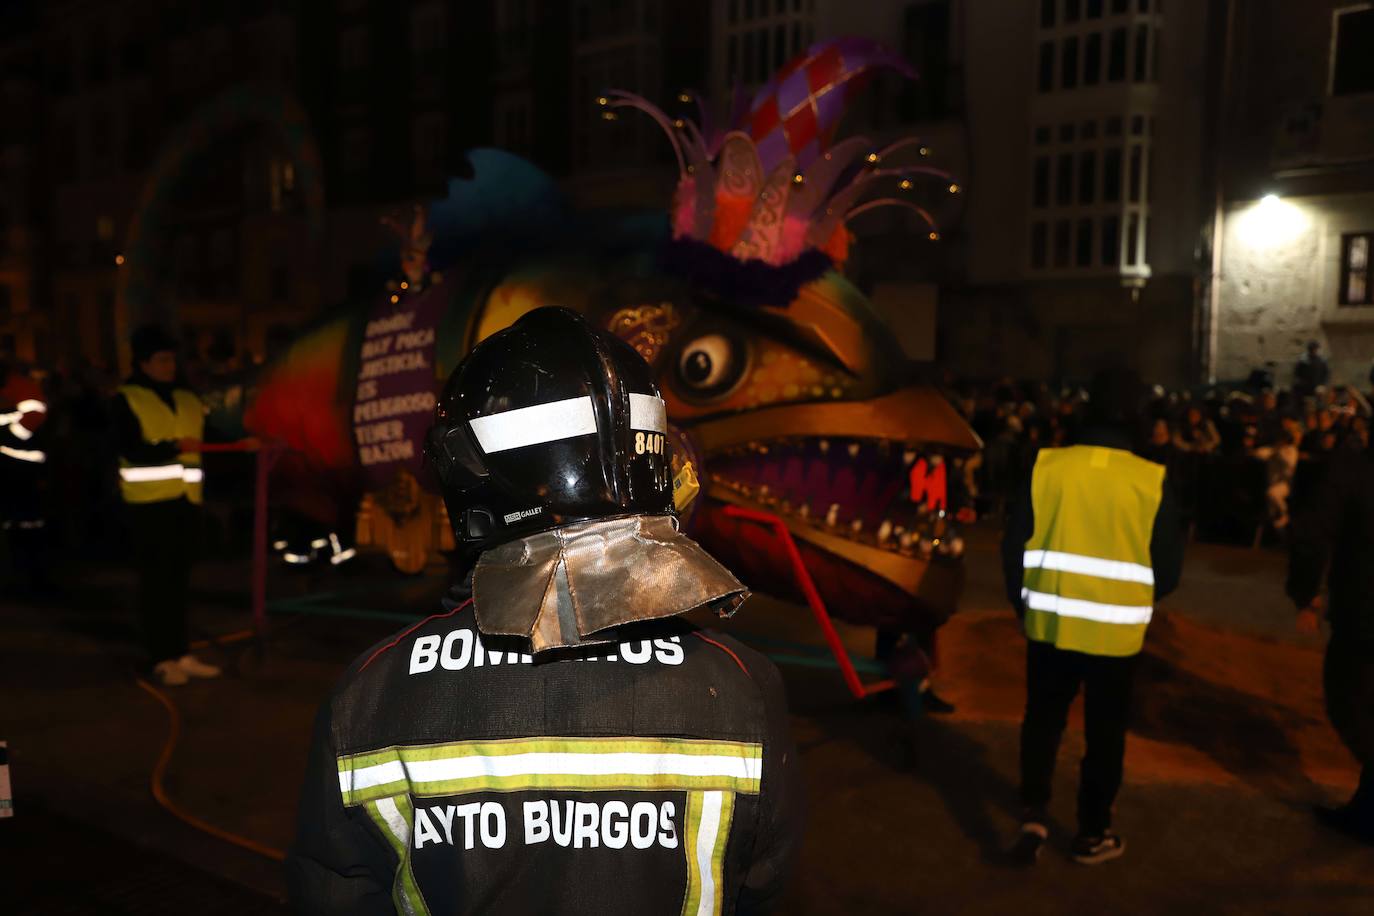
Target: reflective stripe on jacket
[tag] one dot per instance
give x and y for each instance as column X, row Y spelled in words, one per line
column 141, row 483
column 1088, row 583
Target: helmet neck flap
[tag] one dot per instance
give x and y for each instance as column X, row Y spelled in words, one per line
column 573, row 586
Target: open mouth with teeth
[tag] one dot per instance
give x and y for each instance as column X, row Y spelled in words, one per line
column 839, row 476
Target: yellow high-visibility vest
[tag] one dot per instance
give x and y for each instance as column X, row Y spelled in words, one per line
column 1089, row 584
column 139, row 483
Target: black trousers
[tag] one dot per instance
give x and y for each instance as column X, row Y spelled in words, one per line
column 1053, row 677
column 165, row 536
column 1348, row 680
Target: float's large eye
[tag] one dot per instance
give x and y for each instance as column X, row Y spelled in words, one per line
column 710, row 365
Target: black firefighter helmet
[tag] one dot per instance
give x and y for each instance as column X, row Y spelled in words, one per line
column 546, row 423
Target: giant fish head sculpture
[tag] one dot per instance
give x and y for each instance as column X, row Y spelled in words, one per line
column 784, row 386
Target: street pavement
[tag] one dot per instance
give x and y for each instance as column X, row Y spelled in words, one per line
column 1229, row 749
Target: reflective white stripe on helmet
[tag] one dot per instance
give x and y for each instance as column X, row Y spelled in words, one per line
column 31, row 406
column 150, row 473
column 551, row 422
column 192, row 475
column 648, row 412
column 20, row 431
column 23, row 454
column 297, row 559
column 12, row 417
column 1086, row 610
column 319, row 542
column 1119, row 570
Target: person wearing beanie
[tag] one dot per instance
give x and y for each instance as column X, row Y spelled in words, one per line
column 1092, row 542
column 159, row 426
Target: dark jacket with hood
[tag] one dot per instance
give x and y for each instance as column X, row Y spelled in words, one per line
column 1335, row 530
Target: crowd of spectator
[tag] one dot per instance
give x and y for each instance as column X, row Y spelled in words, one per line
column 1235, row 455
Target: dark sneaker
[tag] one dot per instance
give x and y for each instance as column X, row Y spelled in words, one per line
column 1026, row 851
column 933, row 703
column 1094, row 850
column 1347, row 820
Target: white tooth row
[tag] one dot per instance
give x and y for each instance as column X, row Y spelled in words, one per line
column 891, row 537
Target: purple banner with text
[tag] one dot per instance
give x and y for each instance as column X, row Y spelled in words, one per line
column 394, row 403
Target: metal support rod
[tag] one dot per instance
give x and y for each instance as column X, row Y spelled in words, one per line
column 813, row 599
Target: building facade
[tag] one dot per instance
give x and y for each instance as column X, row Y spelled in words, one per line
column 1077, row 128
column 226, row 168
column 1297, row 215
column 1088, row 190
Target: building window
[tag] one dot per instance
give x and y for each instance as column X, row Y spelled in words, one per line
column 1068, row 71
column 1135, row 173
column 281, row 283
column 1133, row 252
column 1116, row 56
column 1063, row 230
column 1094, row 9
column 1111, row 175
column 1039, row 242
column 1040, row 195
column 1092, row 59
column 356, row 154
column 1111, row 241
column 1083, row 256
column 1042, row 136
column 732, row 61
column 427, row 31
column 734, row 11
column 6, row 304
column 1352, row 66
column 1087, row 177
column 1047, row 13
column 1072, row 8
column 353, row 50
column 1120, row 6
column 1046, row 66
column 1356, row 288
column 1063, row 180
column 514, row 123
column 1142, row 53
column 427, row 139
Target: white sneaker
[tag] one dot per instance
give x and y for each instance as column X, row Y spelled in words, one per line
column 193, row 666
column 170, row 674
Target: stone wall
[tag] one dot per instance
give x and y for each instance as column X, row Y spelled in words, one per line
column 1280, row 284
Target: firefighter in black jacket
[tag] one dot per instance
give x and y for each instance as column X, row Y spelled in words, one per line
column 555, row 740
column 1339, row 526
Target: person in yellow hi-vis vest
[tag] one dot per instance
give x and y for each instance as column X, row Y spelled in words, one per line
column 160, row 425
column 1093, row 540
